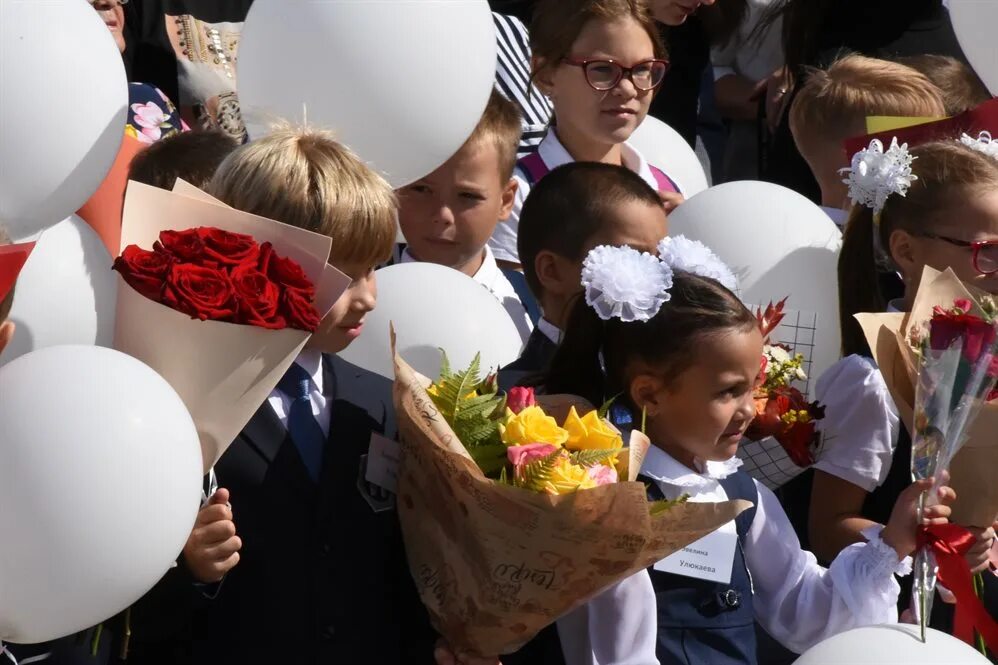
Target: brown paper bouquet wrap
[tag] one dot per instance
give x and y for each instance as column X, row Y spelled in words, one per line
column 973, row 470
column 495, row 564
column 222, row 371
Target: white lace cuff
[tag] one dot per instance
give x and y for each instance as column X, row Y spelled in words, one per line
column 880, row 558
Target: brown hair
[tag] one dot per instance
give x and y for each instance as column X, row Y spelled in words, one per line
column 190, row 156
column 962, row 89
column 8, row 300
column 501, row 127
column 304, row 178
column 698, row 308
column 556, row 24
column 832, row 106
column 948, row 172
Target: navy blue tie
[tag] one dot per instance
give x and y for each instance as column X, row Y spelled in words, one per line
column 303, row 428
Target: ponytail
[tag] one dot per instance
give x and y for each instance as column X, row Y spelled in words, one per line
column 859, row 289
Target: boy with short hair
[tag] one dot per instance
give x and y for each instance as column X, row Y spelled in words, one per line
column 833, row 106
column 448, row 217
column 190, row 156
column 961, row 87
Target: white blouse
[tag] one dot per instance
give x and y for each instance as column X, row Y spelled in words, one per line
column 861, row 425
column 797, row 601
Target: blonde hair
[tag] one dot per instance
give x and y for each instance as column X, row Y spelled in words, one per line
column 305, row 178
column 556, row 24
column 8, row 301
column 500, row 127
column 962, row 89
column 834, row 103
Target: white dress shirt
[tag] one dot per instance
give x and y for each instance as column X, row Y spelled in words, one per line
column 752, row 52
column 797, row 601
column 491, row 277
column 311, row 361
column 550, row 330
column 554, row 154
column 837, row 215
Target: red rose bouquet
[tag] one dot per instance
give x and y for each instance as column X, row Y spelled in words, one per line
column 221, row 306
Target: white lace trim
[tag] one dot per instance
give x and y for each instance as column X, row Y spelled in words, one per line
column 692, row 256
column 623, row 283
column 876, row 174
column 983, row 143
column 879, row 559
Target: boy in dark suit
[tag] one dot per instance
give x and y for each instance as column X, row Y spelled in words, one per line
column 322, row 576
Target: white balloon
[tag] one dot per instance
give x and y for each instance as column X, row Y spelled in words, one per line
column 66, row 292
column 100, row 484
column 779, row 244
column 973, row 22
column 63, row 104
column 433, row 308
column 897, row 643
column 665, row 148
column 402, row 82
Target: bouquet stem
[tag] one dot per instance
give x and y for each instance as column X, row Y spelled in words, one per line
column 979, row 592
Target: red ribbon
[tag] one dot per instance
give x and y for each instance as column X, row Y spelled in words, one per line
column 950, row 543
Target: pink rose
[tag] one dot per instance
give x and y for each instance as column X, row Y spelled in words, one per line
column 602, row 474
column 522, row 455
column 518, row 399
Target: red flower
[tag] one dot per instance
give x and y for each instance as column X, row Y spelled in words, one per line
column 798, row 437
column 518, row 399
column 182, row 245
column 258, row 298
column 144, row 271
column 228, row 249
column 203, row 293
column 284, row 272
column 297, row 308
column 946, row 328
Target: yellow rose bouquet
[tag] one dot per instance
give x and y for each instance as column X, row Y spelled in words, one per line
column 516, row 509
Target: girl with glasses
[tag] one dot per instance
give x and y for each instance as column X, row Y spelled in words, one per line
column 599, row 62
column 947, row 219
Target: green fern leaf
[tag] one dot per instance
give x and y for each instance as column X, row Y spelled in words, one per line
column 533, row 476
column 664, row 505
column 604, row 410
column 591, row 457
column 490, row 459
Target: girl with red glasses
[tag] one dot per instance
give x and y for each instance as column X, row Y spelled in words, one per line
column 944, row 215
column 600, row 62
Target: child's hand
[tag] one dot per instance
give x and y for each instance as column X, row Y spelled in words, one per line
column 213, row 547
column 444, row 655
column 671, row 200
column 901, row 531
column 979, row 556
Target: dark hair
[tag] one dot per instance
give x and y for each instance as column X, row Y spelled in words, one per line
column 948, row 173
column 722, row 20
column 961, row 88
column 569, row 206
column 190, row 156
column 699, row 307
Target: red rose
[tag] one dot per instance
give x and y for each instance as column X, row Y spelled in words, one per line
column 946, row 328
column 182, row 245
column 258, row 298
column 284, row 272
column 518, row 399
column 228, row 249
column 144, row 271
column 203, row 293
column 297, row 308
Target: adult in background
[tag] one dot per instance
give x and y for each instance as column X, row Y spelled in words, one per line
column 513, row 80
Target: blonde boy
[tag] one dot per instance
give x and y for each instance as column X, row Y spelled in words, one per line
column 448, row 217
column 833, row 106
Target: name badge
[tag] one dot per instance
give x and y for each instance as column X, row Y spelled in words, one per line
column 383, row 463
column 710, row 558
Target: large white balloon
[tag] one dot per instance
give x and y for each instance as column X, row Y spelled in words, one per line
column 63, row 104
column 899, row 643
column 403, row 83
column 433, row 308
column 665, row 148
column 973, row 22
column 66, row 292
column 779, row 244
column 100, row 484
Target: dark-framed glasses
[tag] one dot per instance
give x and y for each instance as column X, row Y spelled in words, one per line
column 985, row 251
column 604, row 74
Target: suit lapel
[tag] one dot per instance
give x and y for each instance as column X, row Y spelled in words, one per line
column 265, row 434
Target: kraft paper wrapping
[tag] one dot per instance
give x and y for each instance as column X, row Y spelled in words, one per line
column 495, row 564
column 222, row 371
column 972, row 471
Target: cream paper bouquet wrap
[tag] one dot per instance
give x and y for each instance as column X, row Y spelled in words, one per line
column 973, row 469
column 495, row 564
column 222, row 371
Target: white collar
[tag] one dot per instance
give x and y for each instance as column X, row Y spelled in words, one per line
column 837, row 215
column 554, row 155
column 549, row 330
column 663, row 467
column 310, row 360
column 486, row 275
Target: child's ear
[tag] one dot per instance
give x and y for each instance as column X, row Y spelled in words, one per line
column 553, row 274
column 646, row 393
column 6, row 334
column 508, row 198
column 902, row 252
column 542, row 76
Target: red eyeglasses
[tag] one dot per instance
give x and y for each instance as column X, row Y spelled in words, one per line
column 985, row 252
column 603, row 75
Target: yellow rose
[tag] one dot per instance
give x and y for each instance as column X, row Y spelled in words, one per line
column 566, row 478
column 531, row 425
column 590, row 432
